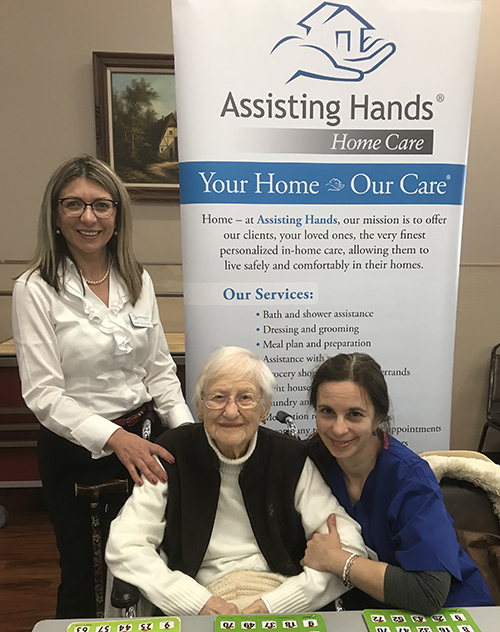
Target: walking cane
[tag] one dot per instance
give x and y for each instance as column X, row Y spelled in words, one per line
column 95, row 493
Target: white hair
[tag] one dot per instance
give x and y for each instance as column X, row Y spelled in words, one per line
column 240, row 364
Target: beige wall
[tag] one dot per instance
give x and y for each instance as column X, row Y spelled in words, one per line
column 478, row 314
column 46, row 116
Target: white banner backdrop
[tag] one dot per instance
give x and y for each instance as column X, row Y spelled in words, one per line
column 322, row 166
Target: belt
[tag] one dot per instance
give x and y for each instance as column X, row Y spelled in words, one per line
column 130, row 419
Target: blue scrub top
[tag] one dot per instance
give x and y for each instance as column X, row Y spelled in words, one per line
column 404, row 520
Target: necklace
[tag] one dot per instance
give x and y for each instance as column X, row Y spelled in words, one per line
column 99, row 281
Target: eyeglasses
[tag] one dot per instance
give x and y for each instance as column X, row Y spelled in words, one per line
column 245, row 401
column 75, row 207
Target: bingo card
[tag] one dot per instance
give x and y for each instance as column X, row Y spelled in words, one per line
column 151, row 624
column 445, row 620
column 263, row 622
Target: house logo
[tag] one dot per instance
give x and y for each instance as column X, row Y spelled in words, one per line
column 335, row 44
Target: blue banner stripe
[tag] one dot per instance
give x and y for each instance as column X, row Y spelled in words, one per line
column 320, row 183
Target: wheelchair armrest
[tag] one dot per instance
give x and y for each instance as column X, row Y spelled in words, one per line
column 123, row 595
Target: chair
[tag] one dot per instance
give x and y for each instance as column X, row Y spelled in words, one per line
column 466, row 454
column 493, row 406
column 125, row 597
column 471, row 493
column 291, row 428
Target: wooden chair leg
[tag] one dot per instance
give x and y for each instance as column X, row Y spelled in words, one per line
column 483, row 437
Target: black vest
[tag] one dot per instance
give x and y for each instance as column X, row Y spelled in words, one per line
column 268, row 481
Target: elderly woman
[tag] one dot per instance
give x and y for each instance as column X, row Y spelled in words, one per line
column 234, row 518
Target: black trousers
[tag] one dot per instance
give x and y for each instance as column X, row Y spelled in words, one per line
column 62, row 464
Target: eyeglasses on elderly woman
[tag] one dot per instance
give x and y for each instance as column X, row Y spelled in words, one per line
column 218, row 401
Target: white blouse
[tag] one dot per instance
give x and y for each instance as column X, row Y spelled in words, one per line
column 83, row 364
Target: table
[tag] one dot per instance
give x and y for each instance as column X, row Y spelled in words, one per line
column 487, row 618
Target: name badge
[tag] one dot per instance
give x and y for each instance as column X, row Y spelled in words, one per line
column 140, row 321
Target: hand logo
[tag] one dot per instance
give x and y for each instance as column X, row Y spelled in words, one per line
column 334, row 185
column 336, row 46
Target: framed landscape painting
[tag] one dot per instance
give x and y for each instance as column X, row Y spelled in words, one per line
column 136, row 122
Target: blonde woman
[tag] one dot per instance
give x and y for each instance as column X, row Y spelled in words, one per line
column 93, row 359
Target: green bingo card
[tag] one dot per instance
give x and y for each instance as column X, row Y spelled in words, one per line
column 446, row 620
column 151, row 624
column 278, row 622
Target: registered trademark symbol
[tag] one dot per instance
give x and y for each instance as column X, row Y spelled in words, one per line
column 440, row 97
column 448, row 177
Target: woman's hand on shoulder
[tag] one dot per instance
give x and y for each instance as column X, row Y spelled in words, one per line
column 324, row 550
column 217, row 605
column 137, row 454
column 257, row 607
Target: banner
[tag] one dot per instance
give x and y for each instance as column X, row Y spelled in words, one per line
column 322, row 168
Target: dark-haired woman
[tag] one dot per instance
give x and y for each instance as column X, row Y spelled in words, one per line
column 391, row 492
column 93, row 360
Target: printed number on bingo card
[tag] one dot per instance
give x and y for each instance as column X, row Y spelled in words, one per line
column 378, row 618
column 398, row 618
column 145, row 626
column 228, row 625
column 290, row 624
column 457, row 616
column 310, row 623
column 269, row 625
column 166, row 625
column 124, row 627
column 248, row 625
